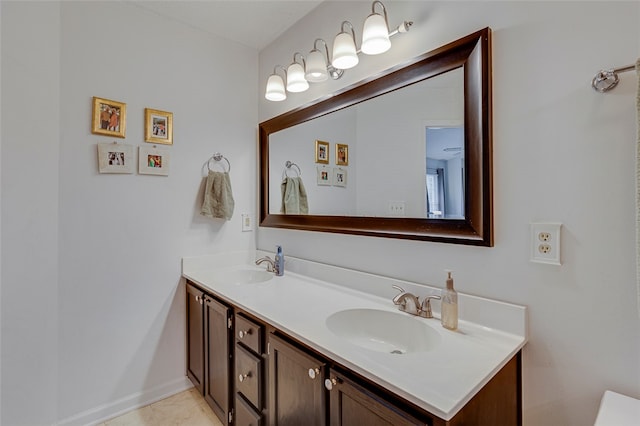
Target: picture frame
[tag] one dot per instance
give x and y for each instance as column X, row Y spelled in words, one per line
column 339, row 177
column 158, row 126
column 109, row 117
column 342, row 154
column 323, row 176
column 322, row 152
column 115, row 158
column 153, row 161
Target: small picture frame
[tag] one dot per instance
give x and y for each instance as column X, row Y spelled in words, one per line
column 158, row 126
column 339, row 177
column 153, row 161
column 322, row 152
column 323, row 176
column 115, row 158
column 342, row 154
column 109, row 117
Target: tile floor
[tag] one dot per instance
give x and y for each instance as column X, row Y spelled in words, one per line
column 186, row 408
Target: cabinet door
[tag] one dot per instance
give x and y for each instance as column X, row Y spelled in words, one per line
column 353, row 405
column 217, row 384
column 296, row 388
column 195, row 337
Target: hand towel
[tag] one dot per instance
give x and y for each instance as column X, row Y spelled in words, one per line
column 218, row 198
column 294, row 196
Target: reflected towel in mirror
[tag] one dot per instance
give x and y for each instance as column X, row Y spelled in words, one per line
column 294, row 196
column 218, row 197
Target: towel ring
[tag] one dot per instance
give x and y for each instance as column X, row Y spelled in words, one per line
column 219, row 157
column 288, row 166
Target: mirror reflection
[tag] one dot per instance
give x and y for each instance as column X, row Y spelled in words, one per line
column 400, row 154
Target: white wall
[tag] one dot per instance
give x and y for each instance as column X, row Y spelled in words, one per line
column 92, row 303
column 562, row 152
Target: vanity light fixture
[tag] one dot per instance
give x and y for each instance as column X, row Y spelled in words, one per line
column 275, row 85
column 345, row 54
column 318, row 67
column 375, row 35
column 295, row 75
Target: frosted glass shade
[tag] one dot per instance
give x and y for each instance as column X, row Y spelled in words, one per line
column 344, row 52
column 316, row 67
column 375, row 35
column 275, row 88
column 295, row 78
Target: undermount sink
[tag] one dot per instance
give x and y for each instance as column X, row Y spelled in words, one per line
column 242, row 275
column 383, row 331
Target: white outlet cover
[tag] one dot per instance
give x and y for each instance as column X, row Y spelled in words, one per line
column 545, row 250
column 247, row 226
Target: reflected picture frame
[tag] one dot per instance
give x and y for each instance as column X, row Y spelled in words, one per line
column 109, row 118
column 115, row 158
column 322, row 152
column 158, row 126
column 323, row 176
column 339, row 177
column 342, row 154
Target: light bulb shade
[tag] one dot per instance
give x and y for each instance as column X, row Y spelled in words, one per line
column 375, row 35
column 295, row 78
column 275, row 88
column 316, row 67
column 344, row 52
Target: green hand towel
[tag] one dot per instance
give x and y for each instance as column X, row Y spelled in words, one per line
column 294, row 196
column 218, row 198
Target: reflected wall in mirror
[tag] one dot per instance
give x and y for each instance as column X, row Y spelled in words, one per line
column 419, row 144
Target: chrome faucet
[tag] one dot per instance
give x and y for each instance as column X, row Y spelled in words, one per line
column 271, row 265
column 425, row 308
column 407, row 302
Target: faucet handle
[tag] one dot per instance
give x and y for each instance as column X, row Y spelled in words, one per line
column 398, row 299
column 425, row 309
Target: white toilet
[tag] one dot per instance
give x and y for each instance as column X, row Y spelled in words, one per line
column 618, row 410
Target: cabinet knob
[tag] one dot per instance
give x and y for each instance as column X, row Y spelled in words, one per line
column 241, row 377
column 330, row 383
column 313, row 372
column 243, row 333
column 199, row 299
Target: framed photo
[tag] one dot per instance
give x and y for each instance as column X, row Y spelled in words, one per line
column 109, row 117
column 158, row 126
column 339, row 177
column 322, row 152
column 153, row 161
column 342, row 154
column 323, row 176
column 115, row 158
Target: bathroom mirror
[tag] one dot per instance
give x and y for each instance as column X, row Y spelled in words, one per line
column 418, row 159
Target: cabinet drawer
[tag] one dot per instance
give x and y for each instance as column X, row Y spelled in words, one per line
column 249, row 333
column 245, row 414
column 249, row 376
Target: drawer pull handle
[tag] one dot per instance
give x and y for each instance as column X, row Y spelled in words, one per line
column 242, row 334
column 241, row 377
column 199, row 299
column 313, row 372
column 330, row 383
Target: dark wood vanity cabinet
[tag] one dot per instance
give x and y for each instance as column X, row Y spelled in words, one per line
column 250, row 371
column 209, row 354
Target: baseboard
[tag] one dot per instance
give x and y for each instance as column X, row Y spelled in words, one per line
column 113, row 409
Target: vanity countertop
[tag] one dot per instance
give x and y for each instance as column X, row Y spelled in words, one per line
column 441, row 380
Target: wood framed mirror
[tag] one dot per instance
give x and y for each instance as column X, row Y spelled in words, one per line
column 468, row 60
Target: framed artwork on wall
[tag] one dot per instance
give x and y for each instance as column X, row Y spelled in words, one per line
column 153, row 161
column 322, row 152
column 339, row 177
column 115, row 158
column 342, row 154
column 323, row 176
column 109, row 117
column 158, row 126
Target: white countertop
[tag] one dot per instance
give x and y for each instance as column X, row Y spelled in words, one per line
column 441, row 380
column 618, row 410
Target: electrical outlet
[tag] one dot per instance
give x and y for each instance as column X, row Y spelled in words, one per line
column 545, row 243
column 246, row 222
column 396, row 208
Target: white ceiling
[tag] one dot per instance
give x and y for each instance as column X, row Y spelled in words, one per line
column 253, row 23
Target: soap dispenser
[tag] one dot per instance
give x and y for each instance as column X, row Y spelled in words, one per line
column 449, row 305
column 279, row 261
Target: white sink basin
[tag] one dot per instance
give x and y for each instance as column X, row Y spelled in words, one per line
column 383, row 331
column 241, row 275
